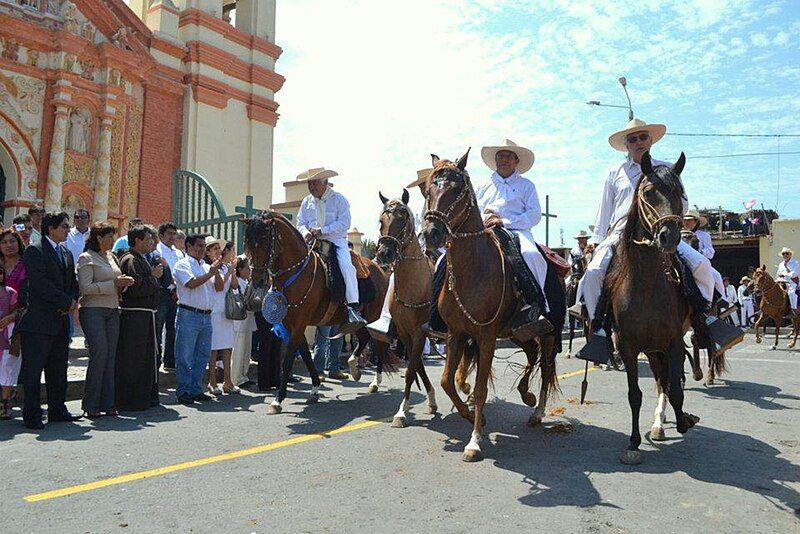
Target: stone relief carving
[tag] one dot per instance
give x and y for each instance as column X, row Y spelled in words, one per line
column 22, row 99
column 70, row 15
column 11, row 50
column 80, row 122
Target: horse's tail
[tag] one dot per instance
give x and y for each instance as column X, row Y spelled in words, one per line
column 719, row 363
column 469, row 359
column 547, row 367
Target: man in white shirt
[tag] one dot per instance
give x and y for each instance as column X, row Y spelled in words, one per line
column 510, row 201
column 620, row 186
column 788, row 272
column 168, row 298
column 731, row 298
column 77, row 236
column 694, row 221
column 325, row 214
column 745, row 302
column 194, row 280
column 577, row 252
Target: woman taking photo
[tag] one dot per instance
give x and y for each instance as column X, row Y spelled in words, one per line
column 221, row 326
column 11, row 249
column 100, row 281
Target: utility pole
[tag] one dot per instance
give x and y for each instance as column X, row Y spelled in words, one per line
column 547, row 216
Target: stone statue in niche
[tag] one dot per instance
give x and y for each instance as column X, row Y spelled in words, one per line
column 88, row 31
column 122, row 39
column 33, row 57
column 70, row 15
column 69, row 62
column 11, row 50
column 88, row 70
column 113, row 77
column 79, row 125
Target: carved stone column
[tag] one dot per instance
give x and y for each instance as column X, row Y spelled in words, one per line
column 55, row 171
column 103, row 174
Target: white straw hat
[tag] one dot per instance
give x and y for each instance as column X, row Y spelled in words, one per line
column 617, row 139
column 319, row 173
column 525, row 155
column 422, row 176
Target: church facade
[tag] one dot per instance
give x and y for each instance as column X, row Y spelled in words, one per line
column 100, row 101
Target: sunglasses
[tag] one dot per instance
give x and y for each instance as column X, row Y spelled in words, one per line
column 641, row 137
column 81, row 217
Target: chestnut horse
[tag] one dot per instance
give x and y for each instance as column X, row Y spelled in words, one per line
column 774, row 304
column 279, row 253
column 650, row 313
column 411, row 299
column 478, row 301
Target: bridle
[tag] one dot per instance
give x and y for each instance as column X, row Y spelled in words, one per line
column 648, row 214
column 466, row 198
column 401, row 241
column 769, row 286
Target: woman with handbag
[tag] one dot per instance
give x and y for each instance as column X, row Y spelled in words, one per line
column 11, row 249
column 243, row 327
column 221, row 325
column 100, row 281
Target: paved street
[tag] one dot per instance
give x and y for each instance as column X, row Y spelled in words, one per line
column 737, row 471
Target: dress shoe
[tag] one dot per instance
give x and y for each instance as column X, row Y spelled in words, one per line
column 202, row 397
column 34, row 424
column 186, row 400
column 337, row 375
column 64, row 417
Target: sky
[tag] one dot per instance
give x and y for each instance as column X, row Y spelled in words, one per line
column 374, row 87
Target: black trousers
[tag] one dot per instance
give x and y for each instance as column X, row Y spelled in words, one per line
column 269, row 355
column 43, row 352
column 167, row 309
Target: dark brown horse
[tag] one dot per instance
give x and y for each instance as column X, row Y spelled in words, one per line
column 650, row 313
column 411, row 298
column 279, row 254
column 478, row 300
column 578, row 267
column 774, row 304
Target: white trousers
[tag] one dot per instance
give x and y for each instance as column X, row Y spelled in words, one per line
column 240, row 357
column 348, row 271
column 591, row 284
column 747, row 311
column 791, row 288
column 718, row 285
column 389, row 293
column 533, row 258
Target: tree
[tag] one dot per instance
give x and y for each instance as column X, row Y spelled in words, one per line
column 369, row 248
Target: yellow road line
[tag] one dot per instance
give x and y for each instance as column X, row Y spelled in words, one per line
column 194, row 463
column 130, row 477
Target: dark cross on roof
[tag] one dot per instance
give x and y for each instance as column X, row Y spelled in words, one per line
column 547, row 216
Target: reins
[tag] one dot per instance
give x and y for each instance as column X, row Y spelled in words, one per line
column 650, row 217
column 403, row 241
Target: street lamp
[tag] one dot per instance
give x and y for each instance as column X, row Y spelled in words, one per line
column 624, row 83
column 597, row 103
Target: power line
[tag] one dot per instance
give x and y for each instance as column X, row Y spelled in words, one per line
column 746, row 154
column 732, row 135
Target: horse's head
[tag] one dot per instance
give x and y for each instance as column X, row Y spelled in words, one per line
column 448, row 199
column 760, row 279
column 261, row 243
column 397, row 229
column 657, row 209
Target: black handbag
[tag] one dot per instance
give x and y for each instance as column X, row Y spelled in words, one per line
column 254, row 297
column 235, row 305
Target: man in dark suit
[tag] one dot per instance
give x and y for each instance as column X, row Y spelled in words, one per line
column 52, row 297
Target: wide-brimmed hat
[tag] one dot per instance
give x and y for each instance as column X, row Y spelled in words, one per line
column 696, row 215
column 422, row 176
column 582, row 234
column 617, row 139
column 786, row 249
column 319, row 173
column 525, row 155
column 210, row 240
column 744, row 279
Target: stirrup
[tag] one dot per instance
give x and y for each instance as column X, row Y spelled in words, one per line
column 723, row 334
column 578, row 310
column 382, row 329
column 525, row 329
column 595, row 350
column 434, row 333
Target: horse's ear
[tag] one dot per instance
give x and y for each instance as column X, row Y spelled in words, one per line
column 434, row 159
column 405, row 196
column 384, row 200
column 680, row 164
column 462, row 161
column 764, row 268
column 647, row 164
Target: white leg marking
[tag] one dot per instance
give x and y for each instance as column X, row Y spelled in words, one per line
column 474, row 443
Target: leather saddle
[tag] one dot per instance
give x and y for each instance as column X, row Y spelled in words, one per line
column 333, row 273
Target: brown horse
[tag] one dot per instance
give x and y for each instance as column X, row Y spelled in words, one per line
column 279, row 254
column 578, row 268
column 411, row 299
column 478, row 300
column 774, row 304
column 650, row 314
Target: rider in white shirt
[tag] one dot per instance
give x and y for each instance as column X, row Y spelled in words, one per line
column 788, row 272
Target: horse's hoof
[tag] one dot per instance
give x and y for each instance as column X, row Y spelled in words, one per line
column 773, row 347
column 535, row 420
column 274, row 409
column 399, row 422
column 355, row 372
column 631, row 458
column 709, row 381
column 697, row 375
column 472, row 455
column 657, row 434
column 430, row 409
column 790, row 346
column 758, row 340
column 312, row 399
column 689, row 421
column 373, row 388
column 529, row 399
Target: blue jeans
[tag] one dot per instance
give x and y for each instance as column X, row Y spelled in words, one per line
column 326, row 351
column 192, row 350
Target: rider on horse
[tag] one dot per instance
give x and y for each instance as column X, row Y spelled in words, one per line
column 508, row 200
column 620, row 186
column 577, row 252
column 788, row 271
column 325, row 215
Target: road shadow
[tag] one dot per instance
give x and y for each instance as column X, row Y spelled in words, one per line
column 557, row 458
column 762, row 396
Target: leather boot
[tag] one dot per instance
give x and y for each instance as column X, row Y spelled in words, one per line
column 529, row 324
column 354, row 321
column 382, row 329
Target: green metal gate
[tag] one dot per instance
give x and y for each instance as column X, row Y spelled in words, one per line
column 196, row 209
